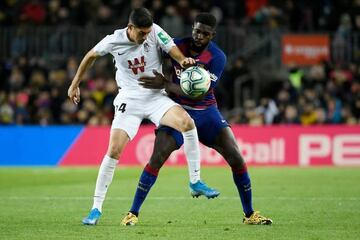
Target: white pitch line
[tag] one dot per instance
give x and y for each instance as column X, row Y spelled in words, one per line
column 49, row 198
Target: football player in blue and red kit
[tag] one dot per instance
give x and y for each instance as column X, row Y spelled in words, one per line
column 213, row 129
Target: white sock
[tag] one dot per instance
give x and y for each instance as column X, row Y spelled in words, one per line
column 105, row 176
column 192, row 152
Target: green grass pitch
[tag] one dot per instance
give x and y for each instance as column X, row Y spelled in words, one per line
column 304, row 203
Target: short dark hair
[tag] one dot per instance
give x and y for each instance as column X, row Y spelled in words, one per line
column 207, row 19
column 141, row 17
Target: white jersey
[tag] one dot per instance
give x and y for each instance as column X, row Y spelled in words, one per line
column 135, row 60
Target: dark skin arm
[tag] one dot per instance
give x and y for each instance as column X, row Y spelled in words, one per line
column 159, row 81
column 156, row 82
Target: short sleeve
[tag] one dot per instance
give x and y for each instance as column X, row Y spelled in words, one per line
column 163, row 39
column 105, row 45
column 216, row 68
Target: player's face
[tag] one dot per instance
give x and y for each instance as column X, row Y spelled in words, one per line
column 138, row 34
column 202, row 34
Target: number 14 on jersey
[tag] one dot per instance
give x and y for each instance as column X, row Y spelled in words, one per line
column 121, row 107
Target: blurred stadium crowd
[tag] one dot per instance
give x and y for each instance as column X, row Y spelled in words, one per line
column 321, row 94
column 33, row 91
column 297, row 15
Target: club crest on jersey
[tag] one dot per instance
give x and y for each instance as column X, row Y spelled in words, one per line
column 137, row 65
column 146, row 47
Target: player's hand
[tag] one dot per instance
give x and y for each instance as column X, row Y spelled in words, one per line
column 187, row 62
column 156, row 82
column 74, row 94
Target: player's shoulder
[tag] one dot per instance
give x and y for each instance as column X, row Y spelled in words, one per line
column 161, row 34
column 156, row 29
column 216, row 51
column 120, row 33
column 156, row 26
column 182, row 41
column 116, row 36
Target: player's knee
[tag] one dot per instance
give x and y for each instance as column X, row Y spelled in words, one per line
column 114, row 151
column 187, row 123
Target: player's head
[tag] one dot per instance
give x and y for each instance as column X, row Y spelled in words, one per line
column 203, row 30
column 139, row 26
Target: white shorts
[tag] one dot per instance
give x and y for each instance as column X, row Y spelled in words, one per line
column 131, row 110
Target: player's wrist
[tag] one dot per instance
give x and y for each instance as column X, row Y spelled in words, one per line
column 74, row 85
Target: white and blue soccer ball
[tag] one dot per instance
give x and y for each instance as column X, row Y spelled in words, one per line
column 195, row 81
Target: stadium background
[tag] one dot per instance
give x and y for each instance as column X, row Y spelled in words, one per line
column 290, row 90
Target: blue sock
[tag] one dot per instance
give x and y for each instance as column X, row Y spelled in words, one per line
column 147, row 179
column 243, row 184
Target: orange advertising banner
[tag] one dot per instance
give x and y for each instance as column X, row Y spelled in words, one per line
column 305, row 49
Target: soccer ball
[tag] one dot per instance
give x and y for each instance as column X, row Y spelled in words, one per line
column 195, row 81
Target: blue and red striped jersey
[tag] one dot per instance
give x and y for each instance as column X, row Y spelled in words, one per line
column 212, row 59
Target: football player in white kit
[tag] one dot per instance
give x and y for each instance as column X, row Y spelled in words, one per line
column 137, row 52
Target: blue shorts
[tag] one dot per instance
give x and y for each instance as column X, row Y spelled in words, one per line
column 208, row 123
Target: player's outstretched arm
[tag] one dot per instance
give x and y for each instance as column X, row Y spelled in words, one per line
column 86, row 62
column 159, row 81
column 177, row 55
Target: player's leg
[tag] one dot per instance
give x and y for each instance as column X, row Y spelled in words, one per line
column 166, row 112
column 165, row 144
column 124, row 127
column 118, row 141
column 226, row 145
column 177, row 118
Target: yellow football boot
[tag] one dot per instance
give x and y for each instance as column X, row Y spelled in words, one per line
column 257, row 219
column 130, row 220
